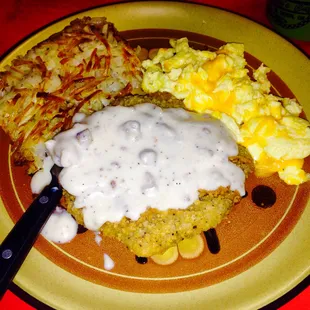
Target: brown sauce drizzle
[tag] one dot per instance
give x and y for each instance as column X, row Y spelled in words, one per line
column 264, row 196
column 141, row 260
column 212, row 241
column 81, row 229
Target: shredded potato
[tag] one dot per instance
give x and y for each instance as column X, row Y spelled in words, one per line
column 79, row 69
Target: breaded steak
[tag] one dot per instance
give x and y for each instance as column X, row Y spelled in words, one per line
column 155, row 231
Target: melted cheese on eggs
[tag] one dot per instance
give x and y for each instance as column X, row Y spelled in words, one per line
column 218, row 83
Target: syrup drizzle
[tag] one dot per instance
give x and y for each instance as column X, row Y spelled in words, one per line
column 212, row 241
column 264, row 196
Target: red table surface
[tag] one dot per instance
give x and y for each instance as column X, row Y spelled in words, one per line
column 19, row 18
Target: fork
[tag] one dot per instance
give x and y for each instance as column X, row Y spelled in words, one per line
column 16, row 246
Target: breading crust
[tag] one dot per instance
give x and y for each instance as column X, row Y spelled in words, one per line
column 155, row 231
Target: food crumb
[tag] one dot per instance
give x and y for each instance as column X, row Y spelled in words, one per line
column 98, row 238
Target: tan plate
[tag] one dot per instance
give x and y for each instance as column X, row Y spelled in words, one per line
column 264, row 252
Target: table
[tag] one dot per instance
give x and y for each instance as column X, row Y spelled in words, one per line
column 19, row 18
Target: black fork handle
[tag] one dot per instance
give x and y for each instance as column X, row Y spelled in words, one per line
column 21, row 238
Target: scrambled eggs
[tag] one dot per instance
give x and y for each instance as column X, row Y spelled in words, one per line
column 218, row 83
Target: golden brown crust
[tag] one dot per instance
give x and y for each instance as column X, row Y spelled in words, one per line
column 161, row 99
column 243, row 160
column 76, row 70
column 155, row 231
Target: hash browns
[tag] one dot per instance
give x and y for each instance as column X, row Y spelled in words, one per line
column 79, row 69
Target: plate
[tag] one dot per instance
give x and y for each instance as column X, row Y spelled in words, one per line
column 264, row 253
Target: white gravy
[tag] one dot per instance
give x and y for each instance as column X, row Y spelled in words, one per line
column 122, row 160
column 60, row 227
column 98, row 238
column 108, row 262
column 43, row 177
